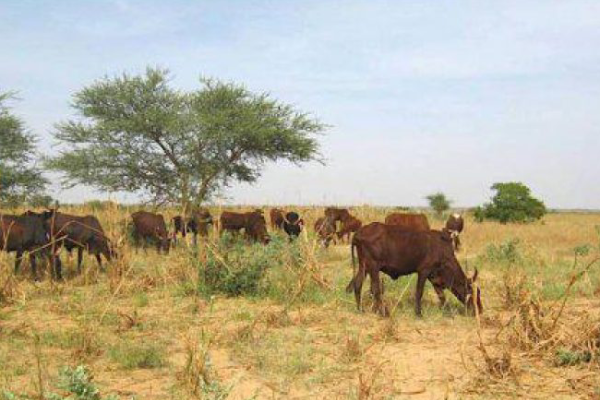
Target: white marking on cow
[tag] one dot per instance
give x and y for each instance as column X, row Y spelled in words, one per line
column 456, row 215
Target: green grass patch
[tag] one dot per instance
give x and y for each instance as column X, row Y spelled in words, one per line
column 138, row 356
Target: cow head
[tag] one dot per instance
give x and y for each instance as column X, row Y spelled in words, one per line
column 455, row 279
column 256, row 227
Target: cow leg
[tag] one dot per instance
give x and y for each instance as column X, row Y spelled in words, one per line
column 55, row 266
column 357, row 283
column 79, row 259
column 421, row 279
column 99, row 259
column 439, row 291
column 18, row 259
column 33, row 266
column 378, row 305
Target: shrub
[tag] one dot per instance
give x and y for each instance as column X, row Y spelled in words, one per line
column 134, row 356
column 512, row 203
column 76, row 384
column 507, row 251
column 234, row 267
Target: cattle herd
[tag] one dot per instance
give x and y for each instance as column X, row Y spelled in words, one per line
column 404, row 244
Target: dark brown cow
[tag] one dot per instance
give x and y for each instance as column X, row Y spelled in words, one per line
column 277, row 218
column 397, row 251
column 79, row 232
column 455, row 226
column 27, row 233
column 197, row 223
column 415, row 222
column 325, row 228
column 293, row 224
column 150, row 227
column 349, row 226
column 253, row 223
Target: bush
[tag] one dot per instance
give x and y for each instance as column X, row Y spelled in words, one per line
column 75, row 382
column 511, row 203
column 234, row 268
column 507, row 251
column 137, row 356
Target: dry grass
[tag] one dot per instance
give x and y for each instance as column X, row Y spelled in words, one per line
column 307, row 340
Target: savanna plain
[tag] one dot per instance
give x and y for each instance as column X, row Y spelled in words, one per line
column 228, row 320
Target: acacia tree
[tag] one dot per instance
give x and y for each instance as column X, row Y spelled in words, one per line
column 438, row 202
column 140, row 135
column 20, row 179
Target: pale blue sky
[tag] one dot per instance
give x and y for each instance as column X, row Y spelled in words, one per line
column 421, row 95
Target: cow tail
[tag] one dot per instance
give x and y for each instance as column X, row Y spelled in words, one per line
column 350, row 286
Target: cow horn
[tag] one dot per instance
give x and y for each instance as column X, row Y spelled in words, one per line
column 475, row 275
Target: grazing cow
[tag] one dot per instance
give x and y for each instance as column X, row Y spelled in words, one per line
column 455, row 226
column 397, row 251
column 150, row 227
column 197, row 223
column 415, row 222
column 253, row 223
column 349, row 226
column 292, row 224
column 277, row 218
column 27, row 233
column 325, row 228
column 337, row 214
column 76, row 232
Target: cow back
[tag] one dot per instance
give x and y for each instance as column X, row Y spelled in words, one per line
column 415, row 222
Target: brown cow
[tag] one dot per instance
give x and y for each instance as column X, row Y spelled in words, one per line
column 337, row 214
column 455, row 226
column 150, row 227
column 349, row 226
column 197, row 223
column 27, row 233
column 79, row 232
column 415, row 222
column 325, row 228
column 253, row 223
column 277, row 218
column 397, row 251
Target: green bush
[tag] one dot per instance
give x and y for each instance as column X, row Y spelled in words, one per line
column 512, row 202
column 234, row 268
column 138, row 356
column 76, row 383
column 565, row 357
column 507, row 251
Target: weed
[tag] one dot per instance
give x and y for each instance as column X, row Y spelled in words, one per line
column 505, row 252
column 137, row 356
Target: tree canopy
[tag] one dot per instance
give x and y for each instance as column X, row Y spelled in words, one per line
column 512, row 202
column 438, row 202
column 138, row 134
column 20, row 179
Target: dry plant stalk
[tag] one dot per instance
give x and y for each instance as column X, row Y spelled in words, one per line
column 196, row 372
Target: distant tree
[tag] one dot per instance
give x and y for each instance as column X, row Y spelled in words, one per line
column 512, row 202
column 438, row 202
column 140, row 135
column 41, row 201
column 20, row 179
